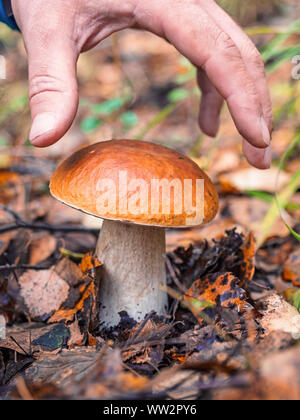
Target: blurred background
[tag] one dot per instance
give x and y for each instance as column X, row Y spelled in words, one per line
column 135, row 85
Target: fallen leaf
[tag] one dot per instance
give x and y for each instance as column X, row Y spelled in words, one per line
column 291, row 269
column 31, row 338
column 177, row 384
column 69, row 271
column 88, row 263
column 7, row 177
column 280, row 375
column 216, row 289
column 250, row 179
column 76, row 336
column 67, row 315
column 279, row 315
column 43, row 292
column 249, row 212
column 248, row 264
column 41, row 247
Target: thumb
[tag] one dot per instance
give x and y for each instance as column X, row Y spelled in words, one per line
column 53, row 88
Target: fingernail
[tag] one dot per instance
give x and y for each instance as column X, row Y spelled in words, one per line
column 42, row 124
column 265, row 131
column 268, row 157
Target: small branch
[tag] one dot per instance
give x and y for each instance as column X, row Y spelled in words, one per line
column 138, row 331
column 22, row 224
column 22, row 267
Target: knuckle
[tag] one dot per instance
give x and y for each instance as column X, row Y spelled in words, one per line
column 225, row 43
column 44, row 82
column 256, row 60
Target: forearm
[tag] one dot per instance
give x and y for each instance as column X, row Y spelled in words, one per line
column 6, row 15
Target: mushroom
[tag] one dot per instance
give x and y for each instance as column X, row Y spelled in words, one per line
column 139, row 189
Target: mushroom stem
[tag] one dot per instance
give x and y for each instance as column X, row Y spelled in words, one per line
column 134, row 268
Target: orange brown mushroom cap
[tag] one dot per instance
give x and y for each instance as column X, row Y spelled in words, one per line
column 75, row 182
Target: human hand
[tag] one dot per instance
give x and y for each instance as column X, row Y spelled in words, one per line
column 229, row 66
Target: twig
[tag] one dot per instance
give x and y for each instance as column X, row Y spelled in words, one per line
column 138, row 331
column 261, row 286
column 22, row 224
column 19, row 345
column 47, row 227
column 22, row 267
column 174, row 275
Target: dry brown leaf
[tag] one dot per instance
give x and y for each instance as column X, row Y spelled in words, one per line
column 177, row 383
column 27, row 338
column 89, row 262
column 76, row 336
column 281, row 375
column 7, row 177
column 67, row 315
column 43, row 291
column 216, row 289
column 248, row 265
column 251, row 179
column 291, row 269
column 224, row 160
column 249, row 213
column 41, row 247
column 279, row 315
column 69, row 271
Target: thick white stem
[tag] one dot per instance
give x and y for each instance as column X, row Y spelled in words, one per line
column 134, row 268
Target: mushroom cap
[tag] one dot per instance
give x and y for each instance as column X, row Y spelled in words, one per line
column 131, row 167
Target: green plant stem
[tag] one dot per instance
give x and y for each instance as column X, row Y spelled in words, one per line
column 280, row 201
column 164, row 113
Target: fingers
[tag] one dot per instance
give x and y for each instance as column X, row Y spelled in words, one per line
column 260, row 158
column 251, row 57
column 210, row 107
column 197, row 36
column 52, row 71
column 53, row 91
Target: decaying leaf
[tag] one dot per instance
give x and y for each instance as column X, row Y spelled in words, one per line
column 281, row 375
column 176, row 384
column 291, row 269
column 144, row 345
column 248, row 264
column 67, row 315
column 76, row 336
column 32, row 338
column 279, row 315
column 70, row 272
column 246, row 179
column 88, row 263
column 83, row 373
column 217, row 289
column 43, row 292
column 278, row 379
column 41, row 247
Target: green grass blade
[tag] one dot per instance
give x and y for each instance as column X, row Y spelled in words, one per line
column 280, row 201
